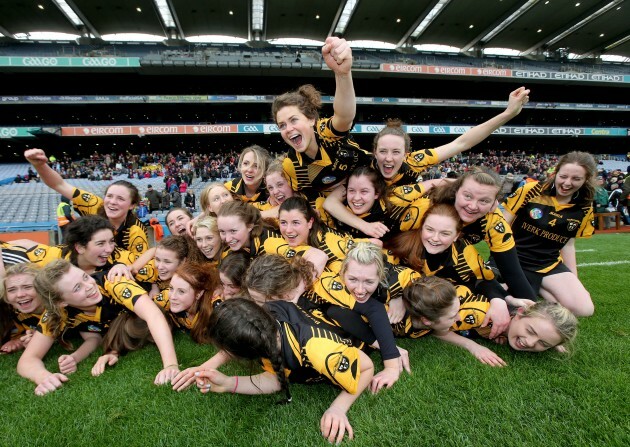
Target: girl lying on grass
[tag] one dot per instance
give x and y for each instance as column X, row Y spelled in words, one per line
column 435, row 306
column 74, row 300
column 274, row 334
column 17, row 290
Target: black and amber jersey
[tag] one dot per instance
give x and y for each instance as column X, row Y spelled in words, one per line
column 43, row 255
column 117, row 297
column 411, row 170
column 461, row 265
column 181, row 320
column 402, row 214
column 131, row 235
column 269, row 241
column 312, row 351
column 237, row 187
column 329, row 289
column 491, row 228
column 542, row 226
column 397, row 278
column 337, row 156
column 24, row 322
column 472, row 312
column 12, row 254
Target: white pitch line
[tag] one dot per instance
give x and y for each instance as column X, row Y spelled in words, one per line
column 585, row 250
column 591, row 264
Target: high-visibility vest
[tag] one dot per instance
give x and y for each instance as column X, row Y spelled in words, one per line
column 62, row 220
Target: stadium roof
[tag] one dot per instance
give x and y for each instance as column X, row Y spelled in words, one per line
column 584, row 27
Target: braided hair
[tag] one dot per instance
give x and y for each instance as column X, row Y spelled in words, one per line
column 245, row 330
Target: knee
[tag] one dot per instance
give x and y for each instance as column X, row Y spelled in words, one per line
column 584, row 307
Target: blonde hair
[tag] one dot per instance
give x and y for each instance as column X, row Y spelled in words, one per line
column 365, row 253
column 45, row 283
column 261, row 156
column 17, row 269
column 208, row 222
column 204, row 197
column 563, row 320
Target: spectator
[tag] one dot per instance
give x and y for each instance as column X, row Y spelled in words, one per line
column 154, row 198
column 190, row 201
column 64, row 216
column 166, row 199
column 176, row 199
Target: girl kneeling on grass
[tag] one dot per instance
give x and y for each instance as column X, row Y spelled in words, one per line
column 433, row 306
column 274, row 334
column 75, row 300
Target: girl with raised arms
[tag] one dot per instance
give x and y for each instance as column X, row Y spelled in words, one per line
column 117, row 205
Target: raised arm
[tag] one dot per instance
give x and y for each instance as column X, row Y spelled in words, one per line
column 49, row 176
column 338, row 57
column 517, row 99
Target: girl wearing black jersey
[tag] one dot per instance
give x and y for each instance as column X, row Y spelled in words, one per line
column 121, row 197
column 546, row 218
column 75, row 300
column 292, row 348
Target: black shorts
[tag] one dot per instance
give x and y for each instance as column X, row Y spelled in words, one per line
column 535, row 278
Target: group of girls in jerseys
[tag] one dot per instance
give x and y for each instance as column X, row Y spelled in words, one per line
column 308, row 263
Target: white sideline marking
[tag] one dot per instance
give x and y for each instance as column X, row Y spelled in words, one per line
column 585, row 250
column 590, row 264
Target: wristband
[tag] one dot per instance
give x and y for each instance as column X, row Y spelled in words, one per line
column 235, row 385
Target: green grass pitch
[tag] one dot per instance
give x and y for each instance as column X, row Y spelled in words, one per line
column 450, row 399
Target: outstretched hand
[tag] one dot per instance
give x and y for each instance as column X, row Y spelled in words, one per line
column 335, row 424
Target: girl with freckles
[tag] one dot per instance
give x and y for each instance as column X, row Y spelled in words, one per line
column 322, row 151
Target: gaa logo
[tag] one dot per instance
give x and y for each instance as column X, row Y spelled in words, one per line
column 535, row 213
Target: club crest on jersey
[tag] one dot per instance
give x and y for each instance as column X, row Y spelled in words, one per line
column 126, row 293
column 328, row 179
column 39, row 252
column 139, row 247
column 86, row 197
column 500, row 227
column 344, row 364
column 470, row 319
column 572, row 226
column 322, row 126
column 342, row 153
column 418, row 157
column 536, row 213
column 407, row 217
column 474, row 238
column 142, row 271
column 336, row 285
column 160, row 297
column 407, row 189
column 290, row 253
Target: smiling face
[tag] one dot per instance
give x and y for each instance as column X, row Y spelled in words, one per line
column 229, row 288
column 390, row 154
column 278, row 187
column 79, row 290
column 361, row 194
column 294, row 227
column 117, row 202
column 297, row 130
column 21, row 294
column 208, row 242
column 234, row 232
column 533, row 334
column 166, row 262
column 361, row 280
column 97, row 251
column 438, row 233
column 217, row 196
column 569, row 179
column 474, row 200
column 177, row 221
column 181, row 295
column 250, row 171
